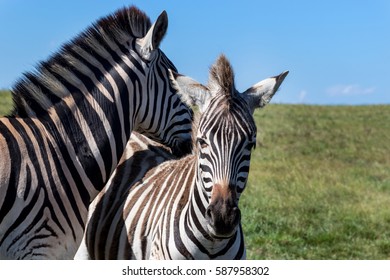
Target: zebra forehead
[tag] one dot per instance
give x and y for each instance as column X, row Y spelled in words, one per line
column 232, row 112
column 231, row 127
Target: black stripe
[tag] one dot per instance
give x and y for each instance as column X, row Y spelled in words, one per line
column 15, row 161
column 241, row 251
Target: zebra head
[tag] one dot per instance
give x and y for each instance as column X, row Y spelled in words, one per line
column 225, row 137
column 163, row 116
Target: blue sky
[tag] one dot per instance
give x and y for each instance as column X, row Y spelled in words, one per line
column 337, row 52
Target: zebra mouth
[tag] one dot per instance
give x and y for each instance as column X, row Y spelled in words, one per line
column 220, row 234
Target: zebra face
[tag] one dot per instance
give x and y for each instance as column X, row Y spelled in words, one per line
column 225, row 137
column 162, row 116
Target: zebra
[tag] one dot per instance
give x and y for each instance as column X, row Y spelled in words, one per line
column 184, row 208
column 73, row 116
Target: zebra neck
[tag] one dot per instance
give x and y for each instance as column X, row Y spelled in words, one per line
column 92, row 135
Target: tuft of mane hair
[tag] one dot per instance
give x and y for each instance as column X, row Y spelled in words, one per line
column 38, row 90
column 222, row 77
column 123, row 23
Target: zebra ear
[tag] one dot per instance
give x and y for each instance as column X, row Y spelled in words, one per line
column 261, row 93
column 151, row 41
column 191, row 92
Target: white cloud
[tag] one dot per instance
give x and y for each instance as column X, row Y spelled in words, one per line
column 349, row 90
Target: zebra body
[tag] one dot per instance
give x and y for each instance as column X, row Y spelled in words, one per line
column 71, row 122
column 145, row 223
column 186, row 208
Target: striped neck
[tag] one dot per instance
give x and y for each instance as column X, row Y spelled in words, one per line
column 94, row 131
column 82, row 94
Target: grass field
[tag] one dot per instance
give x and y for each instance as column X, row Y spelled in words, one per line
column 5, row 102
column 319, row 186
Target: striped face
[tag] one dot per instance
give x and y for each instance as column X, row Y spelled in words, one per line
column 226, row 136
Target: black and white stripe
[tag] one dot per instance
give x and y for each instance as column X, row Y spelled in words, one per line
column 185, row 208
column 71, row 122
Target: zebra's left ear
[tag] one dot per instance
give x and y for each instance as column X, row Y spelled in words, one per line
column 151, row 41
column 261, row 93
column 191, row 92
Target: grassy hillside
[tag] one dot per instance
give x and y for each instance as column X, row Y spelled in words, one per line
column 319, row 185
column 5, row 102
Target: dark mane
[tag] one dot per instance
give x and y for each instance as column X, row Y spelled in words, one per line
column 126, row 21
column 40, row 89
column 222, row 77
column 231, row 105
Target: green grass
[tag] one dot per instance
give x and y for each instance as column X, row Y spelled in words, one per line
column 319, row 185
column 5, row 102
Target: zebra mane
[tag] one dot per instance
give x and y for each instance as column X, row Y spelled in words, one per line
column 221, row 79
column 39, row 90
column 194, row 132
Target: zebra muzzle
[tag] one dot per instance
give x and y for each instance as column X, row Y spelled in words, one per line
column 223, row 218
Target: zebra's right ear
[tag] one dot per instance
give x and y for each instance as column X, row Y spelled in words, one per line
column 191, row 92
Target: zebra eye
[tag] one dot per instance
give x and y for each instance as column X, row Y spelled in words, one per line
column 202, row 143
